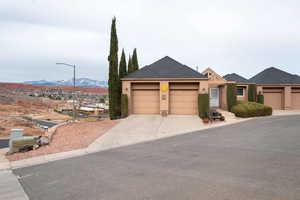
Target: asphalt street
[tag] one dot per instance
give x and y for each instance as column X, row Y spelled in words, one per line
column 4, row 143
column 256, row 159
column 44, row 123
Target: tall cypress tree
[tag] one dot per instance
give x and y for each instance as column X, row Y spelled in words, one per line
column 130, row 65
column 123, row 65
column 113, row 80
column 252, row 92
column 135, row 62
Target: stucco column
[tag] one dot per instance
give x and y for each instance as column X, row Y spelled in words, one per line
column 126, row 89
column 224, row 97
column 203, row 87
column 246, row 92
column 287, row 98
column 164, row 97
column 259, row 90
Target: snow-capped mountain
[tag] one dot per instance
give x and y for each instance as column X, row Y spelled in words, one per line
column 81, row 82
column 40, row 82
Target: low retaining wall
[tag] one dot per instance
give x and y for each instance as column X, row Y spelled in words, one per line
column 51, row 131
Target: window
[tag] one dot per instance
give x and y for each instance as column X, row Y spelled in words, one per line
column 207, row 74
column 240, row 91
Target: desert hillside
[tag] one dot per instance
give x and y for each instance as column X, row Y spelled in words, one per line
column 16, row 109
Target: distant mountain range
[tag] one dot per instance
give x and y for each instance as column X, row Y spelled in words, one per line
column 81, row 82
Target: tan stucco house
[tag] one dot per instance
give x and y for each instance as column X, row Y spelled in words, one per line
column 169, row 87
column 281, row 90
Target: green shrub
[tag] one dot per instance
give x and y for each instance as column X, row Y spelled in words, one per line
column 203, row 105
column 124, row 105
column 260, row 99
column 231, row 96
column 58, row 111
column 252, row 92
column 251, row 109
column 239, row 101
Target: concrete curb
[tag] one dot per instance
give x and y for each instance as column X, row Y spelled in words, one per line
column 93, row 148
column 287, row 113
column 11, row 187
column 51, row 132
column 4, row 163
column 46, row 158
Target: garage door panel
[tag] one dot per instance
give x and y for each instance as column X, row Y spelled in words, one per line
column 145, row 101
column 184, row 102
column 144, row 111
column 183, row 98
column 183, row 93
column 149, row 106
column 296, row 101
column 149, row 99
column 182, row 106
column 273, row 99
column 146, row 107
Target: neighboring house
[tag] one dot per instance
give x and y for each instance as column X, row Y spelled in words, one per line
column 169, row 87
column 242, row 85
column 281, row 90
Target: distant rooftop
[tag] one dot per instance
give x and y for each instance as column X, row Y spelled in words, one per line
column 235, row 77
column 273, row 75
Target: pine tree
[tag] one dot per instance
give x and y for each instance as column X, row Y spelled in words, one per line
column 122, row 73
column 123, row 65
column 130, row 66
column 135, row 62
column 114, row 81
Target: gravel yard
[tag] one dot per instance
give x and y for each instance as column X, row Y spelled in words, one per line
column 70, row 137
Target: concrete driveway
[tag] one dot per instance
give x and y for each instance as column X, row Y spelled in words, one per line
column 139, row 128
column 142, row 128
column 256, row 159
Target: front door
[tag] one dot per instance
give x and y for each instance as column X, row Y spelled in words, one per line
column 214, row 97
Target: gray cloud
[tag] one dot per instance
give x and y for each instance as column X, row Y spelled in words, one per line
column 229, row 36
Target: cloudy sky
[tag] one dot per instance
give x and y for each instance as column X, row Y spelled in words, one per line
column 239, row 36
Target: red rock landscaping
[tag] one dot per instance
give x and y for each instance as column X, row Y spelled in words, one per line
column 69, row 137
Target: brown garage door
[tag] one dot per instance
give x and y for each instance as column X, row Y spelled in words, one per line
column 145, row 99
column 273, row 98
column 183, row 99
column 296, row 99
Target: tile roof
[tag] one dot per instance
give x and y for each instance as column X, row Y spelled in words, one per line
column 235, row 77
column 273, row 75
column 166, row 68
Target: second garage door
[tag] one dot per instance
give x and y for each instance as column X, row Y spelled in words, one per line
column 145, row 98
column 273, row 98
column 183, row 99
column 296, row 99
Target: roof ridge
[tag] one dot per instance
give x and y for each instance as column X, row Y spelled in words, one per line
column 268, row 69
column 274, row 75
column 235, row 77
column 182, row 64
column 166, row 67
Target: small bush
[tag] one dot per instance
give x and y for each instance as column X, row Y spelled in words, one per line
column 252, row 92
column 203, row 105
column 231, row 96
column 124, row 105
column 58, row 111
column 251, row 109
column 260, row 99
